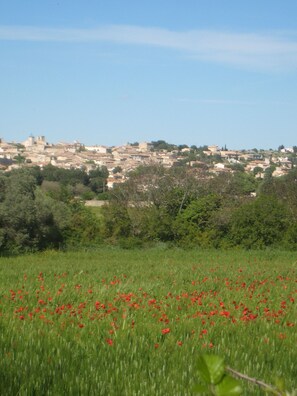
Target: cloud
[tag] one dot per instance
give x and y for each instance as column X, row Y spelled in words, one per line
column 269, row 51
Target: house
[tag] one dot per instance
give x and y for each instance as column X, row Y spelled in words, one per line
column 219, row 166
column 144, row 146
column 214, row 149
column 229, row 154
column 97, row 149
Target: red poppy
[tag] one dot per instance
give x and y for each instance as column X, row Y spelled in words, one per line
column 166, row 330
column 225, row 313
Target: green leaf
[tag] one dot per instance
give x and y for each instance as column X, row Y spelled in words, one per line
column 211, row 368
column 200, row 389
column 228, row 387
column 280, row 384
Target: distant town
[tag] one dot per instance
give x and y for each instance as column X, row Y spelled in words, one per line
column 121, row 160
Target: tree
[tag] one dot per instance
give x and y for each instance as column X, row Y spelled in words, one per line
column 29, row 219
column 152, row 197
column 237, row 185
column 98, row 179
column 266, row 187
column 284, row 188
column 117, row 169
column 36, row 172
column 116, row 221
column 57, row 191
column 257, row 170
column 83, row 228
column 260, row 223
column 162, row 145
column 243, row 183
column 194, row 220
column 53, row 219
column 32, row 219
column 237, row 167
column 19, row 159
column 18, row 213
column 65, row 176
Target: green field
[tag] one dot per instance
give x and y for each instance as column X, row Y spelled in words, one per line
column 120, row 322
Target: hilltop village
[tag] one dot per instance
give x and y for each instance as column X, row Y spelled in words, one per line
column 120, row 160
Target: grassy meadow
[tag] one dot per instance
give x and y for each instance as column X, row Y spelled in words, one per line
column 121, row 322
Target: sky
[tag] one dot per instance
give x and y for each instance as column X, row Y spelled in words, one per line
column 195, row 72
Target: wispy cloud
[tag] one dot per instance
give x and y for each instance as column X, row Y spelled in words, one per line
column 270, row 51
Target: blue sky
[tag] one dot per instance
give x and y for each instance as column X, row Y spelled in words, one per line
column 110, row 72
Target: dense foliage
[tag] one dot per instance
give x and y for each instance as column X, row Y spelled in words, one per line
column 189, row 207
column 34, row 217
column 183, row 206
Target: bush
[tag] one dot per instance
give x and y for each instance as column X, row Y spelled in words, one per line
column 260, row 223
column 116, row 221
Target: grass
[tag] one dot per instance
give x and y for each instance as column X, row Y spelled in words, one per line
column 120, row 322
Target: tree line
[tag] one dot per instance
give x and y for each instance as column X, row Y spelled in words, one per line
column 191, row 208
column 182, row 206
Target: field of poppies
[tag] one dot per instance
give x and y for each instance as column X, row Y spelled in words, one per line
column 120, row 322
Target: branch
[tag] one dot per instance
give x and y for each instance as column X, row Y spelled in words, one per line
column 183, row 201
column 262, row 384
